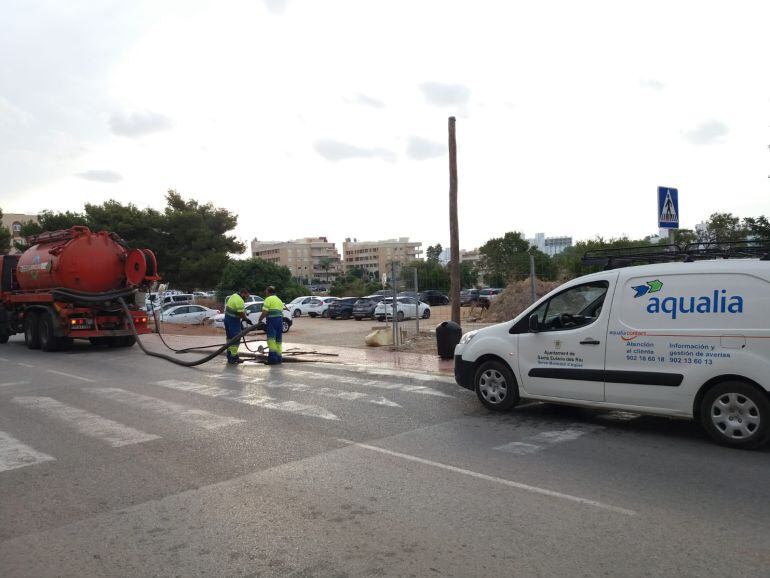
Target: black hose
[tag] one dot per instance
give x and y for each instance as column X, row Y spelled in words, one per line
column 202, row 360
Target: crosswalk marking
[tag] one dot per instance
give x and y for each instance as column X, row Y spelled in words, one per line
column 376, row 384
column 14, row 454
column 70, row 375
column 12, row 383
column 89, row 424
column 315, row 390
column 249, row 398
column 413, row 375
column 194, row 416
column 547, row 439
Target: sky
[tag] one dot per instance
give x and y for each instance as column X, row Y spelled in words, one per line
column 329, row 117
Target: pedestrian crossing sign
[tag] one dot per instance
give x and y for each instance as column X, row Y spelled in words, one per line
column 668, row 208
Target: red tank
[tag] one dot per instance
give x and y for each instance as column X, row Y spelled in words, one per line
column 80, row 260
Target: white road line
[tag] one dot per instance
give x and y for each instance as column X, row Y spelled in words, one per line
column 70, row 375
column 494, row 479
column 25, row 365
column 418, row 376
column 14, row 454
column 4, row 359
column 11, row 383
column 316, row 390
column 249, row 398
column 89, row 424
column 168, row 409
column 327, row 377
column 547, row 439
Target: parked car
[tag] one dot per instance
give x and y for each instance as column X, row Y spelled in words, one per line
column 319, row 307
column 469, row 297
column 679, row 339
column 301, row 305
column 486, row 296
column 365, row 306
column 249, row 299
column 176, row 299
column 434, row 297
column 253, row 311
column 342, row 308
column 406, row 308
column 192, row 314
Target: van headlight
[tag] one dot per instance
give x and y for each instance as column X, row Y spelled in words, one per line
column 468, row 336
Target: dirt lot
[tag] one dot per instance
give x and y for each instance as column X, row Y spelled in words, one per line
column 347, row 333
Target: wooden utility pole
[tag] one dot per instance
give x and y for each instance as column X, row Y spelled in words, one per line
column 454, row 233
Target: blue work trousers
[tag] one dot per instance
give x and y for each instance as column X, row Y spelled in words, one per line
column 274, row 339
column 232, row 328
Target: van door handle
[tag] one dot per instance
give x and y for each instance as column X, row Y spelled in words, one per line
column 590, row 341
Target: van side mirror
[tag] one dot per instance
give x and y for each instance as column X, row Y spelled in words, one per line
column 534, row 323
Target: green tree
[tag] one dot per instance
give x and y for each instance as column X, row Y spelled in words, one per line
column 50, row 221
column 255, row 275
column 757, row 227
column 190, row 240
column 683, row 237
column 430, row 275
column 351, row 286
column 468, row 275
column 196, row 243
column 569, row 262
column 723, row 227
column 433, row 252
column 5, row 237
column 505, row 258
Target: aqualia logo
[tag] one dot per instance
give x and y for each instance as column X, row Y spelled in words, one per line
column 718, row 302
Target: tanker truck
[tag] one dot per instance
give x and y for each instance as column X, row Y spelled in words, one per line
column 68, row 285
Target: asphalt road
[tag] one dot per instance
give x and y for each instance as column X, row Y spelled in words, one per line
column 116, row 464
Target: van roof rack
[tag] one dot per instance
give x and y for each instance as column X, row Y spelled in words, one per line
column 613, row 258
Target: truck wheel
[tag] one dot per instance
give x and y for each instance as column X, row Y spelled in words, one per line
column 496, row 386
column 129, row 340
column 31, row 330
column 737, row 415
column 4, row 337
column 48, row 341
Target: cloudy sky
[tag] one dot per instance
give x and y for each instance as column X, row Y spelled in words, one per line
column 569, row 114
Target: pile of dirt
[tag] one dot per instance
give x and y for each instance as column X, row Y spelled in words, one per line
column 515, row 298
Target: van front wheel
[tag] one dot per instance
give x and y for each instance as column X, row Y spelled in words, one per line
column 496, row 386
column 736, row 414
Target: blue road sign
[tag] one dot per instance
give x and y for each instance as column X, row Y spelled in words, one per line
column 668, row 208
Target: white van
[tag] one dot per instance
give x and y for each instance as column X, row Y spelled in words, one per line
column 680, row 339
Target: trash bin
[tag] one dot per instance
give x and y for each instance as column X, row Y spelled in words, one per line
column 448, row 334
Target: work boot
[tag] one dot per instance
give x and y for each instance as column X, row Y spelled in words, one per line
column 234, row 361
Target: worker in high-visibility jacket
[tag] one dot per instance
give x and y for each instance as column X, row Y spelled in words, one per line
column 235, row 312
column 272, row 309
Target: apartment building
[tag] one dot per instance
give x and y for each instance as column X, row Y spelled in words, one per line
column 13, row 222
column 375, row 256
column 307, row 259
column 550, row 245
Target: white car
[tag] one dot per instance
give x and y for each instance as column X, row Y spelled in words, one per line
column 190, row 314
column 301, row 305
column 253, row 311
column 249, row 299
column 677, row 339
column 319, row 307
column 406, row 308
